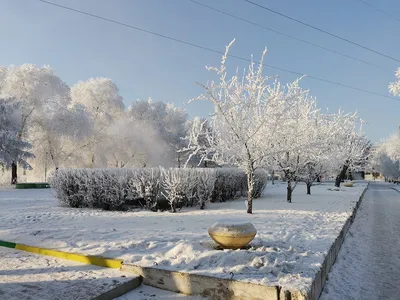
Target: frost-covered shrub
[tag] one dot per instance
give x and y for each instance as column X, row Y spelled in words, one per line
column 174, row 185
column 260, row 182
column 147, row 184
column 205, row 185
column 66, row 186
column 112, row 196
column 111, row 189
column 230, row 183
column 188, row 187
column 97, row 188
column 191, row 181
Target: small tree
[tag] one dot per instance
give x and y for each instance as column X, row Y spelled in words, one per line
column 351, row 147
column 174, row 187
column 320, row 156
column 240, row 120
column 293, row 145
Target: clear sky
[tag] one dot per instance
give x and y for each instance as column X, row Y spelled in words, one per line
column 79, row 47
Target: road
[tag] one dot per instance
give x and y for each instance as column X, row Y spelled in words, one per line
column 368, row 265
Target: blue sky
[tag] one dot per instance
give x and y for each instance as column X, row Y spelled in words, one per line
column 78, row 47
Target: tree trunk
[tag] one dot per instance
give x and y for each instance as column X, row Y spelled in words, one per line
column 350, row 176
column 202, row 205
column 273, row 177
column 319, row 179
column 250, row 187
column 14, row 177
column 309, row 188
column 337, row 181
column 341, row 176
column 289, row 191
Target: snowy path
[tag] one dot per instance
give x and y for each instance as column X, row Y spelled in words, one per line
column 25, row 275
column 368, row 265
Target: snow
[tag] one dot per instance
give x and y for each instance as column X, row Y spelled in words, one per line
column 368, row 264
column 145, row 292
column 24, row 275
column 292, row 238
column 232, row 227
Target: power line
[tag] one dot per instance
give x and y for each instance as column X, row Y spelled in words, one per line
column 213, row 50
column 322, row 30
column 288, row 35
column 380, row 10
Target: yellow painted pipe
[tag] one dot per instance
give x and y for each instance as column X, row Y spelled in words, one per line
column 86, row 259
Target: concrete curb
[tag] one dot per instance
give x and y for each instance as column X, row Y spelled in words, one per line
column 121, row 289
column 210, row 287
column 220, row 289
column 321, row 276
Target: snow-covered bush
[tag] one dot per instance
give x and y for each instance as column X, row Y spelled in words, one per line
column 147, row 184
column 174, row 188
column 205, row 185
column 65, row 183
column 110, row 189
column 187, row 187
column 260, row 182
column 97, row 188
column 230, row 183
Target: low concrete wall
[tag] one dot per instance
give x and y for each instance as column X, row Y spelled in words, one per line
column 121, row 289
column 221, row 289
column 211, row 287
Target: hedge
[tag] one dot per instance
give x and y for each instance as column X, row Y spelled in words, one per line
column 32, row 185
column 151, row 188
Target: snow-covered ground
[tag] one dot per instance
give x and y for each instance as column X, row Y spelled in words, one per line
column 368, row 264
column 24, row 275
column 290, row 246
column 145, row 292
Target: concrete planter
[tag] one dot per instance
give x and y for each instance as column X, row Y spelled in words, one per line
column 232, row 234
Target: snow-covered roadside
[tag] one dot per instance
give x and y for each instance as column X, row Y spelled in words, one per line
column 145, row 292
column 368, row 264
column 395, row 187
column 289, row 248
column 24, row 275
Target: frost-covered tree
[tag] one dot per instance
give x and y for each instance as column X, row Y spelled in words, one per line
column 392, row 147
column 198, row 143
column 394, row 87
column 13, row 149
column 101, row 99
column 130, row 143
column 39, row 91
column 87, row 125
column 240, row 120
column 57, row 139
column 351, row 147
column 386, row 157
column 167, row 120
column 320, row 157
column 293, row 145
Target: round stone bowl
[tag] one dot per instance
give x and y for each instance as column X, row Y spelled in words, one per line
column 232, row 234
column 348, row 184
